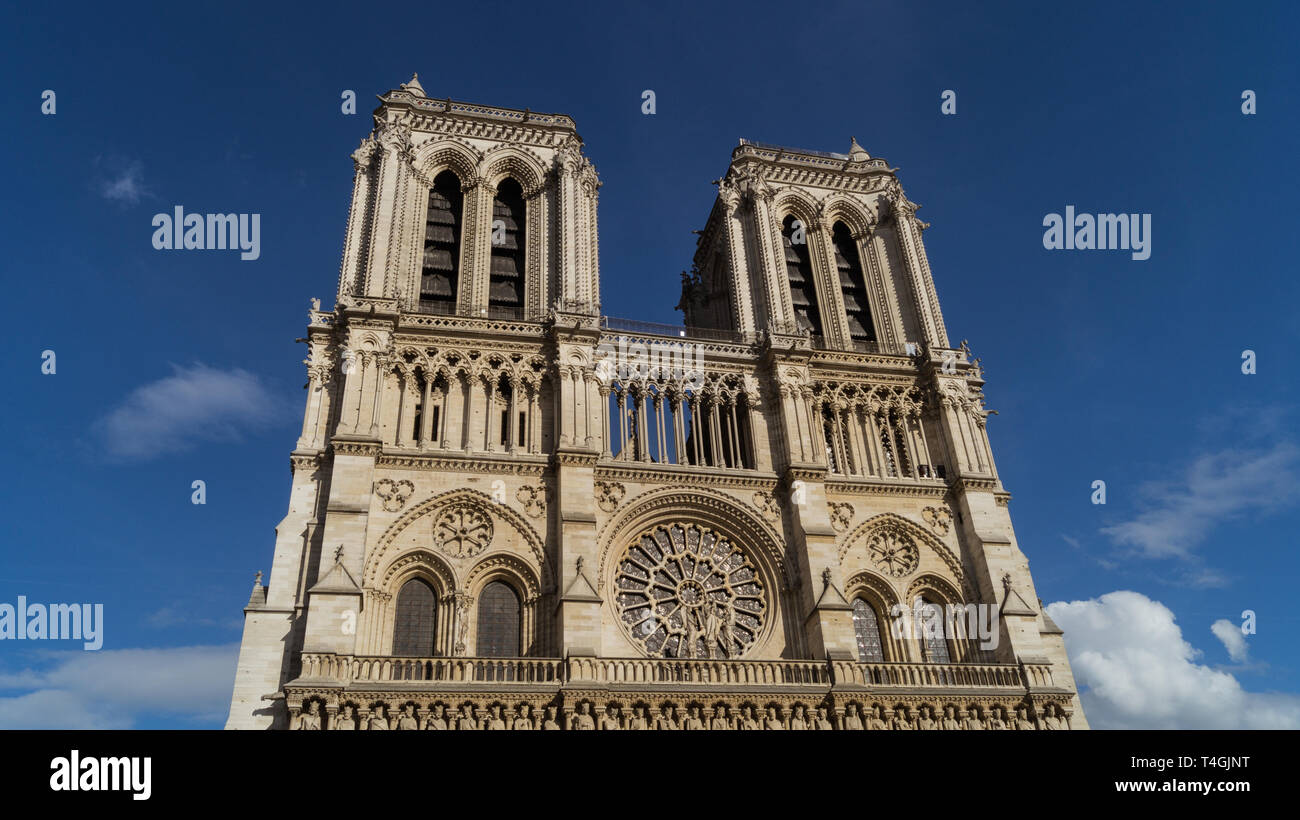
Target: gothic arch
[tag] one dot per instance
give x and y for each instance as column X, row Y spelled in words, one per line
column 701, row 505
column 418, row 564
column 858, row 218
column 503, row 161
column 936, row 585
column 385, row 546
column 436, row 156
column 796, row 203
column 503, row 566
column 860, row 534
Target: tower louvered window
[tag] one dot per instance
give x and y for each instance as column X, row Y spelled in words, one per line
column 798, row 268
column 440, row 276
column 853, row 285
column 506, row 294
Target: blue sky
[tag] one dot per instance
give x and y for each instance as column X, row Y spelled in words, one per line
column 1101, row 367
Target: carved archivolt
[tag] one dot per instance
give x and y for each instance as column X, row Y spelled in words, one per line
column 424, row 564
column 865, row 534
column 480, row 501
column 709, row 508
column 685, row 591
column 942, row 587
column 503, row 564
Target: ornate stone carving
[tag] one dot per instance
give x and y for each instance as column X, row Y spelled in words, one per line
column 463, row 530
column 393, row 493
column 841, row 515
column 894, row 552
column 767, row 503
column 686, row 592
column 534, row 499
column 939, row 519
column 609, row 494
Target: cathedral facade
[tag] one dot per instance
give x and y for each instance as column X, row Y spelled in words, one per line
column 509, row 511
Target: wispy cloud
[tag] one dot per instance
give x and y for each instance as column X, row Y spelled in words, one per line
column 1136, row 671
column 193, row 405
column 126, row 185
column 1233, row 639
column 117, row 689
column 1177, row 516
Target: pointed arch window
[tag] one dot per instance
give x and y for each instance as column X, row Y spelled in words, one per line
column 934, row 641
column 440, row 275
column 798, row 269
column 413, row 626
column 506, row 288
column 853, row 285
column 498, row 621
column 866, row 627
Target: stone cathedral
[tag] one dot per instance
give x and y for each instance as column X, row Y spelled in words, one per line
column 509, row 511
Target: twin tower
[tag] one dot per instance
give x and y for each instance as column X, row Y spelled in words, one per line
column 510, row 511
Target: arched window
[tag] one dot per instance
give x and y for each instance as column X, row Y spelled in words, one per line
column 853, row 285
column 866, row 626
column 506, row 289
column 440, row 275
column 498, row 621
column 798, row 268
column 934, row 640
column 413, row 626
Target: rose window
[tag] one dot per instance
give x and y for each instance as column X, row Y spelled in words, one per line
column 894, row 553
column 687, row 592
column 463, row 530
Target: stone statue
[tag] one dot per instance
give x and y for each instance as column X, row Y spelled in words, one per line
column 550, row 724
column 583, row 720
column 926, row 722
column 949, row 719
column 721, row 719
column 310, row 719
column 900, row 721
column 638, row 720
column 1023, row 723
column 799, row 721
column 877, row 720
column 851, row 719
column 997, row 720
column 436, row 720
column 667, row 719
column 974, row 721
column 346, row 720
column 611, row 721
column 408, row 720
column 496, row 723
column 467, row 722
column 693, row 723
column 823, row 722
column 772, row 722
column 747, row 721
column 524, row 721
column 378, row 721
column 1054, row 718
column 712, row 628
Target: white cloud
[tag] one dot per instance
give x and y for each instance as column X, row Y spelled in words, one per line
column 1234, row 640
column 192, row 405
column 1217, row 487
column 1135, row 671
column 115, row 689
column 125, row 186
